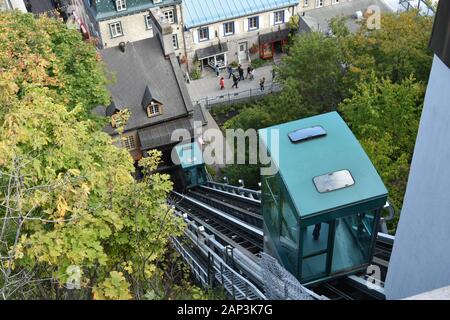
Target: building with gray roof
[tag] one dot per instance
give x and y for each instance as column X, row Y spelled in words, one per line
column 150, row 85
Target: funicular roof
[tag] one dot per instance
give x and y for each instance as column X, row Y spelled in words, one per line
column 299, row 163
column 189, row 155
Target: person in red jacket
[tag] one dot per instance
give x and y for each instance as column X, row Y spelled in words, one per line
column 222, row 83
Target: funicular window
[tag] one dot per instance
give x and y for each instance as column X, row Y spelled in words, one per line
column 333, row 181
column 271, row 193
column 315, row 239
column 289, row 221
column 353, row 242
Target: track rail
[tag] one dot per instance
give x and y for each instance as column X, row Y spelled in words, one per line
column 241, row 209
column 228, row 229
column 236, row 221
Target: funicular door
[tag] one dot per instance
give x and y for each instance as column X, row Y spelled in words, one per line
column 316, row 241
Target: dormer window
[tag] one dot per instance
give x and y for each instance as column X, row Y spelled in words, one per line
column 151, row 104
column 121, row 5
column 153, row 109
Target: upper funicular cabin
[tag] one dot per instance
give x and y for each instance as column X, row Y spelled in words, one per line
column 322, row 207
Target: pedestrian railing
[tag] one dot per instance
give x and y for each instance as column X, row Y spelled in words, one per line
column 423, row 6
column 233, row 97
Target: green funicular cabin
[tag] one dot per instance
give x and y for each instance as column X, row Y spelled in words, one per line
column 190, row 158
column 322, row 207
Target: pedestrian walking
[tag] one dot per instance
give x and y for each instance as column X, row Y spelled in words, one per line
column 241, row 73
column 261, row 83
column 252, row 73
column 249, row 70
column 222, row 83
column 29, row 6
column 230, row 71
column 235, row 81
column 273, row 72
column 217, row 70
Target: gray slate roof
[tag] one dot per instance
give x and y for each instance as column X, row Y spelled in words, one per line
column 143, row 64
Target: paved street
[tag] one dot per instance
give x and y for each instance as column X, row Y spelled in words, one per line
column 208, row 86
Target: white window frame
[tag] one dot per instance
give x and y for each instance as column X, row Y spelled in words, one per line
column 306, row 3
column 148, row 23
column 175, row 41
column 250, row 28
column 275, row 15
column 200, row 39
column 121, row 5
column 335, row 2
column 230, row 23
column 170, row 16
column 129, row 143
column 319, row 3
column 154, row 109
column 114, row 31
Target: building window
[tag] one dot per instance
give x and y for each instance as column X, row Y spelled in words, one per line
column 116, row 29
column 175, row 41
column 153, row 109
column 335, row 1
column 169, row 16
column 203, row 34
column 319, row 3
column 121, row 5
column 306, row 3
column 148, row 22
column 129, row 142
column 253, row 23
column 228, row 28
column 278, row 17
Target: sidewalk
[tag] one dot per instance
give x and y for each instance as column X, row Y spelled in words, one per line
column 208, row 86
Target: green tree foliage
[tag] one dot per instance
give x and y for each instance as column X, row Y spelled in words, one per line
column 69, row 207
column 44, row 53
column 385, row 118
column 321, row 72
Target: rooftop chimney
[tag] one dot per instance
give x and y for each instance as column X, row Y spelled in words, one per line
column 163, row 30
column 122, row 46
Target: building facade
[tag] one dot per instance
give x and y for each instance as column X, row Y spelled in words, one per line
column 212, row 32
column 217, row 32
column 114, row 21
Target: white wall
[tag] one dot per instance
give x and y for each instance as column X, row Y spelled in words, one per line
column 133, row 27
column 420, row 259
column 241, row 34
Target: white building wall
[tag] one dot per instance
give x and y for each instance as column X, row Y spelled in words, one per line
column 241, row 33
column 420, row 260
column 133, row 28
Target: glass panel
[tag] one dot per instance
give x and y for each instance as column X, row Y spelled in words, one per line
column 271, row 198
column 289, row 222
column 315, row 241
column 306, row 134
column 314, row 266
column 315, row 238
column 333, row 181
column 353, row 241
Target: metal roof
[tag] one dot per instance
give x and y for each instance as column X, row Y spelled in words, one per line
column 202, row 12
column 274, row 36
column 300, row 163
column 106, row 9
column 161, row 134
column 211, row 51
